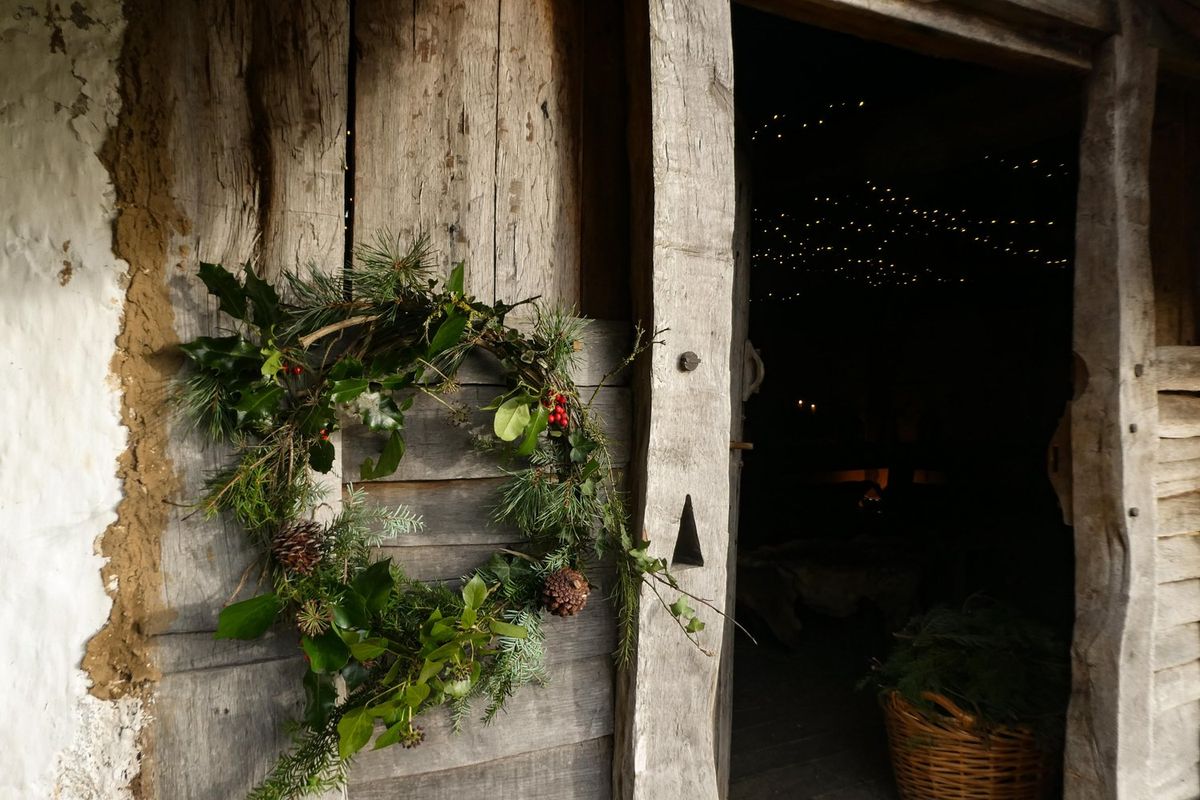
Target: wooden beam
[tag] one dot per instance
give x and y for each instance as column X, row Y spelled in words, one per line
column 942, row 29
column 666, row 747
column 1114, row 428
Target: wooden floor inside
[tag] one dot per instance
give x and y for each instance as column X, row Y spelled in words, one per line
column 801, row 730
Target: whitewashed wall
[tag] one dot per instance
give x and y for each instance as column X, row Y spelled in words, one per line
column 61, row 295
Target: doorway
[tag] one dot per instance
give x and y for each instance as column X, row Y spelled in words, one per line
column 911, row 236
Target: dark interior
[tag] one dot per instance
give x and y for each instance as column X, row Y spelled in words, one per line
column 911, row 281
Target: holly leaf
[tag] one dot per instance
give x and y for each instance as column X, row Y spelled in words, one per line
column 389, row 459
column 346, row 390
column 320, row 456
column 374, row 585
column 354, row 731
column 225, row 287
column 259, row 403
column 351, row 612
column 510, row 631
column 533, row 430
column 454, row 284
column 320, row 695
column 248, row 619
column 474, row 593
column 511, row 418
column 380, row 412
column 222, row 353
column 326, row 653
column 264, row 299
column 346, row 367
column 447, row 335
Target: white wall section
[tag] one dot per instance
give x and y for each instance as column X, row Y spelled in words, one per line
column 61, row 296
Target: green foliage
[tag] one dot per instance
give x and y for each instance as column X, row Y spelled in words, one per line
column 988, row 659
column 276, row 389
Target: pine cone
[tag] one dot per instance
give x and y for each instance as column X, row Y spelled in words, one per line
column 412, row 737
column 565, row 592
column 299, row 546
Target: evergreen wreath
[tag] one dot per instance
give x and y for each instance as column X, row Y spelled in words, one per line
column 383, row 649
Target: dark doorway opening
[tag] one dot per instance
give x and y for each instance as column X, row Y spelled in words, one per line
column 910, row 295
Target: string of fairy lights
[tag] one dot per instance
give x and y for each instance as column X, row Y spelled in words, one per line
column 877, row 235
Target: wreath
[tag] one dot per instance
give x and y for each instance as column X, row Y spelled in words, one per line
column 383, row 649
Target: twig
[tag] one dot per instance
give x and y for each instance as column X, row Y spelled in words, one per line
column 334, row 327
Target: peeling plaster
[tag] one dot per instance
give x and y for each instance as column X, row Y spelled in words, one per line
column 61, row 300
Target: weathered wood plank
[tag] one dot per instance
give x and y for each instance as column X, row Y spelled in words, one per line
column 1108, row 745
column 1179, row 513
column 1176, row 744
column 1172, row 450
column 1177, row 686
column 220, row 729
column 439, row 448
column 1178, row 416
column 671, row 753
column 537, row 151
column 1178, row 557
column 576, row 706
column 1182, row 783
column 1176, row 645
column 185, row 652
column 1178, row 604
column 940, row 29
column 425, row 111
column 1177, row 477
column 581, row 771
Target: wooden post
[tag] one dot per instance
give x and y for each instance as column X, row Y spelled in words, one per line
column 1113, row 426
column 667, row 746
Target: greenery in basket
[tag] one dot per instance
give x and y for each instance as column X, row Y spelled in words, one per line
column 991, row 661
column 382, row 649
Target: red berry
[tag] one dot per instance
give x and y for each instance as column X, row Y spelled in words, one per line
column 560, row 399
column 297, row 370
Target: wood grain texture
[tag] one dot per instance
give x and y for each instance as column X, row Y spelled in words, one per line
column 1176, row 686
column 1177, row 368
column 1179, row 513
column 537, row 151
column 1178, row 604
column 953, row 30
column 667, row 741
column 1176, row 750
column 1176, row 645
column 1108, row 723
column 1177, row 477
column 1178, row 416
column 1178, row 557
column 425, row 115
column 440, row 448
column 576, row 706
column 580, row 771
column 256, row 137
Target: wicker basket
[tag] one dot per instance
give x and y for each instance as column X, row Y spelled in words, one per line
column 946, row 759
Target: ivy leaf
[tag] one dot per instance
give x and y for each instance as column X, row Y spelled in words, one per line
column 354, row 731
column 374, row 585
column 533, row 430
column 259, row 403
column 346, row 367
column 390, row 736
column 326, row 653
column 415, row 695
column 346, row 390
column 474, row 593
column 225, row 287
column 581, row 447
column 368, row 649
column 428, row 670
column 320, row 456
column 695, row 625
column 389, row 459
column 248, row 619
column 511, row 418
column 680, row 608
column 454, row 284
column 272, row 363
column 264, row 298
column 448, row 334
column 380, row 412
column 510, row 631
column 320, row 695
column 354, row 674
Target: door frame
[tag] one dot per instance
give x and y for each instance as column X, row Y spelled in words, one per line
column 670, row 739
